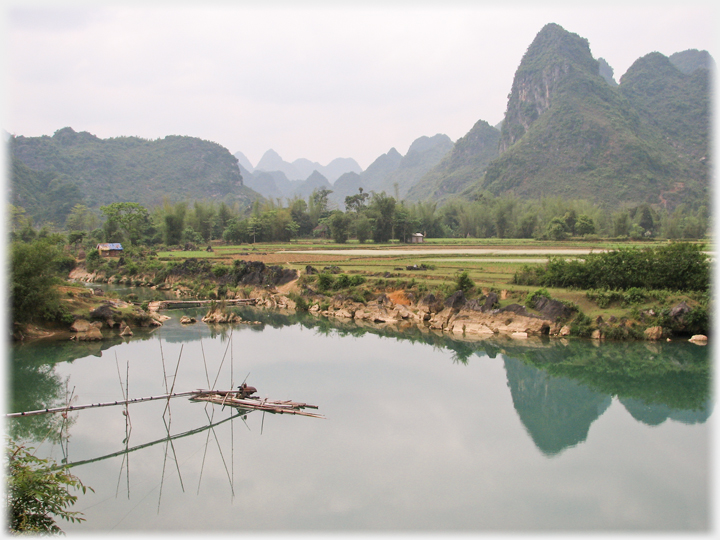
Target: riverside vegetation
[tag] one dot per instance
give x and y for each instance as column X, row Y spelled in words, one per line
column 651, row 290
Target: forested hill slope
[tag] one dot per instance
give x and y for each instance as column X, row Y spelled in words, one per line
column 460, row 167
column 123, row 169
column 568, row 132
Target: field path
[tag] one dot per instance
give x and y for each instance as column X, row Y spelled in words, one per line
column 423, row 251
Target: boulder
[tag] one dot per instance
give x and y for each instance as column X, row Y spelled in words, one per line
column 552, row 309
column 564, row 331
column 126, row 331
column 105, row 312
column 517, row 309
column 699, row 339
column 430, row 304
column 92, row 334
column 490, row 301
column 80, row 325
column 677, row 312
column 654, row 333
column 596, row 334
column 455, row 301
column 187, row 320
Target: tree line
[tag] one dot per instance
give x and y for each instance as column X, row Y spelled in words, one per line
column 372, row 216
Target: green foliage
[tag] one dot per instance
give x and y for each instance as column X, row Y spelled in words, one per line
column 381, row 211
column 129, row 217
column 126, row 169
column 339, row 226
column 676, row 266
column 34, row 270
column 532, row 298
column 463, row 282
column 37, row 492
column 581, row 325
column 325, row 281
column 300, row 303
column 220, row 270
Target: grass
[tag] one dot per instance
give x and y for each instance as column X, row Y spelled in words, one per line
column 487, row 272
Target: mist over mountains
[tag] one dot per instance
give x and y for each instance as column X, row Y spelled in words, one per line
column 391, row 172
column 571, row 129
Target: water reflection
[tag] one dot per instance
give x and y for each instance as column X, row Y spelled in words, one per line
column 556, row 411
column 558, row 387
column 421, row 429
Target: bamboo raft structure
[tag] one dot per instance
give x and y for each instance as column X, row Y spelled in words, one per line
column 181, row 304
column 231, row 398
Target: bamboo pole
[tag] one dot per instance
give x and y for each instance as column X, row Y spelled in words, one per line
column 221, row 397
column 106, row 404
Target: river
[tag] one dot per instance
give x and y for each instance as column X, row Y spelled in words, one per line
column 422, row 433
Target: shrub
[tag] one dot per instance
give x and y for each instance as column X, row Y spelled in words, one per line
column 463, row 282
column 532, row 298
column 37, row 490
column 635, row 295
column 300, row 303
column 325, row 281
column 92, row 259
column 220, row 270
column 581, row 326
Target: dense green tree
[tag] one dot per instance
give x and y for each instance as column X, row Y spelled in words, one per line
column 339, row 226
column 584, row 225
column 363, row 228
column 621, row 223
column 236, row 231
column 254, row 227
column 129, row 217
column 381, row 211
column 556, row 229
column 35, row 268
column 357, row 203
column 81, row 218
column 318, row 205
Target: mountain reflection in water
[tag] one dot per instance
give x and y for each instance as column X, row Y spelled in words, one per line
column 423, row 431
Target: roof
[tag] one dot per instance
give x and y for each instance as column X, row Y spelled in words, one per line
column 110, row 246
column 417, row 234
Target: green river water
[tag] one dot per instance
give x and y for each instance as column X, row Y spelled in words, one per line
column 422, row 433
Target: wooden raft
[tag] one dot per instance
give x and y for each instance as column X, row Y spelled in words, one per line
column 233, row 399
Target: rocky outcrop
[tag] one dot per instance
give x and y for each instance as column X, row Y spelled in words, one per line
column 455, row 316
column 217, row 316
column 552, row 309
column 86, row 331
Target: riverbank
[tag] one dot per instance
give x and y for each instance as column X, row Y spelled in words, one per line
column 482, row 314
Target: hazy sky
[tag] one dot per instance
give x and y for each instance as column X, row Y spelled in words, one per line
column 306, row 79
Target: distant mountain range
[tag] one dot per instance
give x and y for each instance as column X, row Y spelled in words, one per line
column 391, row 173
column 569, row 130
column 301, row 168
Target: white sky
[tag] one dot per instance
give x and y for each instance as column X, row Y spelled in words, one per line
column 306, row 79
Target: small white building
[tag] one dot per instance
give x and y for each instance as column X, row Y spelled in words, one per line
column 416, row 238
